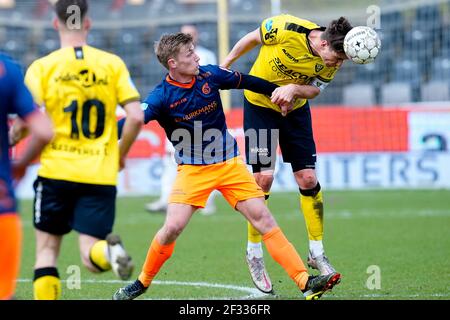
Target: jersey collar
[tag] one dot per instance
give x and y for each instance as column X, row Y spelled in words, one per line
column 180, row 84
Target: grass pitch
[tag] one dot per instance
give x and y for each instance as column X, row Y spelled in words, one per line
column 391, row 245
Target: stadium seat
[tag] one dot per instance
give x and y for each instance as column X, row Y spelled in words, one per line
column 435, row 91
column 97, row 38
column 362, row 94
column 427, row 13
column 396, row 92
column 440, row 69
column 393, row 23
column 407, row 71
column 371, row 73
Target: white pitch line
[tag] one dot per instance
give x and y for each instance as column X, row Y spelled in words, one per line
column 255, row 293
column 252, row 293
column 433, row 295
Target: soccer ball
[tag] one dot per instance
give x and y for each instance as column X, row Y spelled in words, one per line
column 362, row 45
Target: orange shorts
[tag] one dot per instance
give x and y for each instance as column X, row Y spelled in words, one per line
column 194, row 183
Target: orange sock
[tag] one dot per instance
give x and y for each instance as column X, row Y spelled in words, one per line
column 283, row 252
column 156, row 256
column 10, row 249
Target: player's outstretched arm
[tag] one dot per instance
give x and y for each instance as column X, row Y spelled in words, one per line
column 257, row 84
column 131, row 126
column 245, row 44
column 286, row 94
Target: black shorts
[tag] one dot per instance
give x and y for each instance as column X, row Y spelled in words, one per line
column 294, row 133
column 60, row 206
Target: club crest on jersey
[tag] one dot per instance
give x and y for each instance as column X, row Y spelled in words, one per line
column 318, row 67
column 206, row 89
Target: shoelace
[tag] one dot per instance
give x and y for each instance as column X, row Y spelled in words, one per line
column 324, row 263
column 258, row 266
column 134, row 287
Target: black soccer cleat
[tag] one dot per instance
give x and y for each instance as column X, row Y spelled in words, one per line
column 130, row 292
column 316, row 286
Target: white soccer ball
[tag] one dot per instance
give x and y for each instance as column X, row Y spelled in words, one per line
column 362, row 44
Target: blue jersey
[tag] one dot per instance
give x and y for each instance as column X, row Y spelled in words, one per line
column 14, row 99
column 192, row 115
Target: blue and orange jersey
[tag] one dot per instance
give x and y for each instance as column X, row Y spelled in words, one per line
column 14, row 99
column 192, row 115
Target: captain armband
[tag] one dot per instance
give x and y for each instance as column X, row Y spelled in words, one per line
column 316, row 82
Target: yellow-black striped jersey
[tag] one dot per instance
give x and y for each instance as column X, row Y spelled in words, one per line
column 80, row 88
column 286, row 57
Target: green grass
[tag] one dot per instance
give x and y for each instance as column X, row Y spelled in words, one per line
column 405, row 233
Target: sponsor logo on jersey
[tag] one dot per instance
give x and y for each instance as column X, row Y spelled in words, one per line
column 286, row 73
column 199, row 112
column 177, row 103
column 289, row 55
column 269, row 24
column 271, row 35
column 86, row 77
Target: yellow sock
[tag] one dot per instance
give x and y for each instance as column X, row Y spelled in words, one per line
column 46, row 284
column 312, row 208
column 98, row 257
column 253, row 235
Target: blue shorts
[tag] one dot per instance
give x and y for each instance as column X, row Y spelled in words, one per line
column 60, row 206
column 295, row 136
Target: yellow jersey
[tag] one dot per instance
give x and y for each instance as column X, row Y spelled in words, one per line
column 80, row 88
column 286, row 57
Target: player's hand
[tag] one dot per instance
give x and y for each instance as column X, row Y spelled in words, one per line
column 285, row 108
column 17, row 132
column 283, row 96
column 121, row 163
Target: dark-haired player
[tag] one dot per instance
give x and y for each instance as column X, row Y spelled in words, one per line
column 302, row 57
column 80, row 87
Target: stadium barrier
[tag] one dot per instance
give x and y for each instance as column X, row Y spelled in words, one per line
column 358, row 148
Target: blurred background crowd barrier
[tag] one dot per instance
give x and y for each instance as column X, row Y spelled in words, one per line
column 381, row 125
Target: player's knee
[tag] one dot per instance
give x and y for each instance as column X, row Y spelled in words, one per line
column 307, row 180
column 268, row 223
column 173, row 230
column 264, row 181
column 264, row 221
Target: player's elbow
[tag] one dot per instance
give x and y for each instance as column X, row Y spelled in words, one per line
column 40, row 127
column 135, row 116
column 136, row 119
column 47, row 136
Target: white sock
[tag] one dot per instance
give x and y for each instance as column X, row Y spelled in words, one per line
column 316, row 248
column 254, row 249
